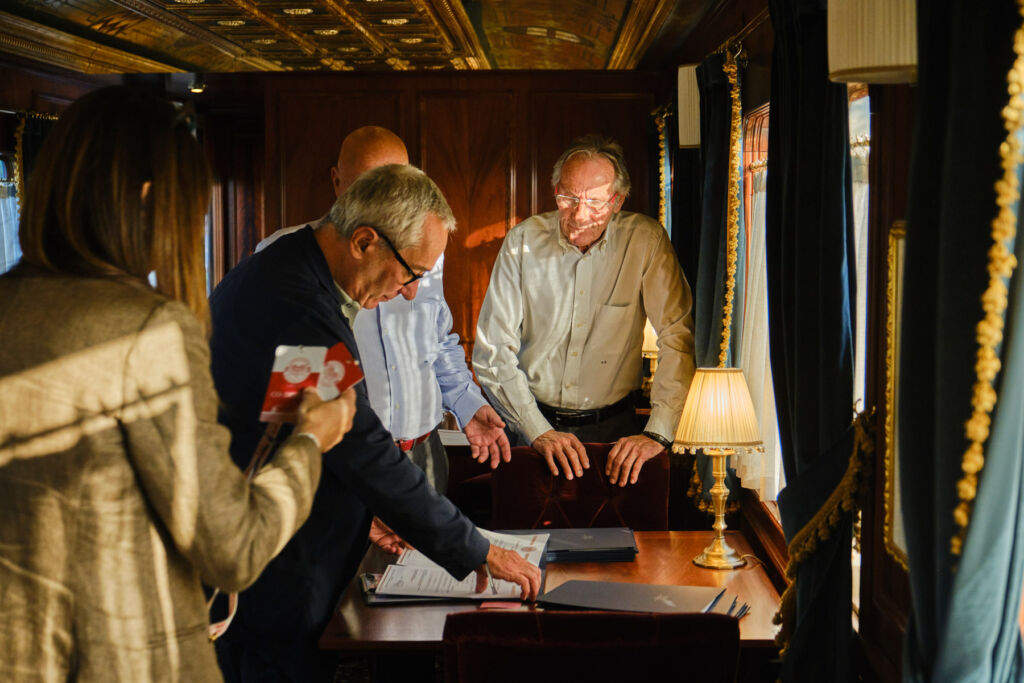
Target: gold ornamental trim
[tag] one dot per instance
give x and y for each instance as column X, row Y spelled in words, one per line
column 56, row 48
column 1001, row 264
column 19, row 154
column 733, row 213
column 896, row 235
column 642, row 23
column 660, row 115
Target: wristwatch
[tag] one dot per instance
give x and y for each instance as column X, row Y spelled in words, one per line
column 665, row 443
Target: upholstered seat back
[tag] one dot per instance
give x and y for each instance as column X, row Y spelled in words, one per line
column 563, row 647
column 525, row 495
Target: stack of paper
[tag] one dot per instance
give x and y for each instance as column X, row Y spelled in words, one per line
column 615, row 544
column 416, row 575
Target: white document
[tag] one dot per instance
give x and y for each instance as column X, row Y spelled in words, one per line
column 417, row 575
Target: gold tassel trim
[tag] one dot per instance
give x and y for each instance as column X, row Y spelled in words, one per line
column 733, row 215
column 847, row 496
column 19, row 155
column 1001, row 264
column 659, row 123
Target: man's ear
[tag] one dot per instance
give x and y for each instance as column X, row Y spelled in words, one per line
column 361, row 239
column 336, row 181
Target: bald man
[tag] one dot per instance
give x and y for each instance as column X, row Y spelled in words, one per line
column 414, row 365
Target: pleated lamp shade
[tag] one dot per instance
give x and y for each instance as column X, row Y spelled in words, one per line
column 872, row 41
column 718, row 413
column 689, row 107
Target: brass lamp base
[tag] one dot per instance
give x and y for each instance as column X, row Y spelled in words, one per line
column 718, row 555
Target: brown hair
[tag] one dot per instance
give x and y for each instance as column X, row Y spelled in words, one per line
column 85, row 212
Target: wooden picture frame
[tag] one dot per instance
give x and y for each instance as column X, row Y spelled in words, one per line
column 894, row 532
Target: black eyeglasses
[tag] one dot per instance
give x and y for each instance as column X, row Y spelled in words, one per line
column 399, row 258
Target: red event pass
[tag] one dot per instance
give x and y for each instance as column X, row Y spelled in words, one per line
column 330, row 370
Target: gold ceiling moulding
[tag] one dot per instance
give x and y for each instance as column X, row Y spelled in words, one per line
column 638, row 31
column 456, row 31
column 50, row 46
column 210, row 39
column 254, row 12
column 372, row 38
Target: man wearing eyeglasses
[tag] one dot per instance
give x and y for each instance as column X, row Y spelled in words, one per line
column 561, row 326
column 415, row 367
column 379, row 237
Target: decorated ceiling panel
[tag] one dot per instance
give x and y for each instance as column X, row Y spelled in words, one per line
column 340, row 35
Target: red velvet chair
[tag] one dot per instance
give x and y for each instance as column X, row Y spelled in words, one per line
column 590, row 647
column 525, row 495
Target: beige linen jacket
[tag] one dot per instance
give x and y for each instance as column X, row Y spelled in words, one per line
column 117, row 493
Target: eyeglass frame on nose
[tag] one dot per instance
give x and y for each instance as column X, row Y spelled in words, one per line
column 593, row 205
column 398, row 257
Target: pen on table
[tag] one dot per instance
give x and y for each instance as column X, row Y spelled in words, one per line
column 490, row 579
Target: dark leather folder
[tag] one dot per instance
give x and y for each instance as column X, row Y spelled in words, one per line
column 611, row 544
column 630, row 597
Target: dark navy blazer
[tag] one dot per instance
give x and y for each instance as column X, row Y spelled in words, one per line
column 285, row 295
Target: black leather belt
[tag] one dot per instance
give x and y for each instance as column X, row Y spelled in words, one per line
column 567, row 417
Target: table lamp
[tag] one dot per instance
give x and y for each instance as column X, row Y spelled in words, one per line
column 719, row 418
column 649, row 351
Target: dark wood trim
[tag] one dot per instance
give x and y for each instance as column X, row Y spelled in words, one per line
column 764, row 533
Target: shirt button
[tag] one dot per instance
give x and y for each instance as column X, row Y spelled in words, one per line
column 575, row 353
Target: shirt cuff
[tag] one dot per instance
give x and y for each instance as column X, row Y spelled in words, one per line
column 663, row 421
column 534, row 426
column 465, row 408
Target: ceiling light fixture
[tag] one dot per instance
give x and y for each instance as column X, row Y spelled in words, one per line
column 411, row 41
column 298, row 11
column 326, row 31
column 230, row 22
column 197, row 84
column 265, row 41
column 395, row 21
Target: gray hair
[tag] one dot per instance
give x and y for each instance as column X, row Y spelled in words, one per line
column 594, row 146
column 394, row 199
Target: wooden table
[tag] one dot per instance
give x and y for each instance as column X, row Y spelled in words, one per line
column 665, row 557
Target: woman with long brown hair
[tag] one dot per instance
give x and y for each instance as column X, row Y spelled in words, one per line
column 118, row 498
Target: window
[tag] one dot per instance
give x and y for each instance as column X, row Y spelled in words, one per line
column 763, row 474
column 10, row 251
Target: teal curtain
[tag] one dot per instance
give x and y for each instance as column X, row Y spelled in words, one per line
column 963, row 624
column 810, row 270
column 709, row 288
column 710, row 281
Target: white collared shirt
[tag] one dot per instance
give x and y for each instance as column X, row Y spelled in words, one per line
column 565, row 328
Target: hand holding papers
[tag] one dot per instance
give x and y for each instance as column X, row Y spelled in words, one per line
column 415, row 575
column 330, row 370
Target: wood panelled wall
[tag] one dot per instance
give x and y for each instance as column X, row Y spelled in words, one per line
column 885, row 592
column 488, row 140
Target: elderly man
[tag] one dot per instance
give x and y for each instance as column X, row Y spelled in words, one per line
column 384, row 233
column 561, row 327
column 415, row 367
